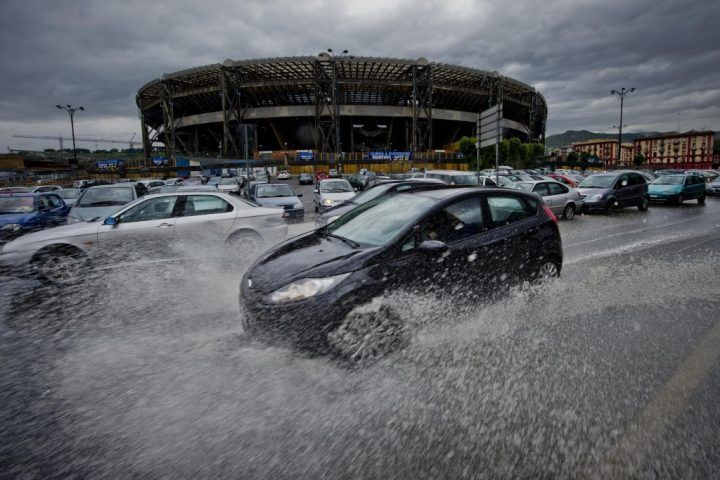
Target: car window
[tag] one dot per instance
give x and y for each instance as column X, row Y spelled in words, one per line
column 458, row 221
column 151, row 209
column 54, row 201
column 205, row 205
column 623, row 181
column 541, row 189
column 505, row 210
column 557, row 189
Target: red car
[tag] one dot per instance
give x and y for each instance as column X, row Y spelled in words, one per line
column 321, row 176
column 563, row 179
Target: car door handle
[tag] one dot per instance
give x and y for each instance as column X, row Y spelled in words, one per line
column 165, row 225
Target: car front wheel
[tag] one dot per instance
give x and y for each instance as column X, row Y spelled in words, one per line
column 61, row 267
column 569, row 212
column 368, row 332
column 701, row 200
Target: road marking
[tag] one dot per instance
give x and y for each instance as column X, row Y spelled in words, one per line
column 643, row 434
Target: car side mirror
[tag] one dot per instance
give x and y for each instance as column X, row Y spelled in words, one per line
column 111, row 221
column 299, row 195
column 432, row 246
column 624, row 183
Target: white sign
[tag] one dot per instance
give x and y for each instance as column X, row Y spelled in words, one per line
column 491, row 123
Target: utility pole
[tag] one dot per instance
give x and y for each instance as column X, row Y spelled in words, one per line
column 71, row 111
column 621, row 93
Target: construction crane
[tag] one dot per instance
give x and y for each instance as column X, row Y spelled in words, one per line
column 61, row 139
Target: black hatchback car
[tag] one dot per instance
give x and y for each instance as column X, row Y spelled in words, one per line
column 607, row 192
column 322, row 289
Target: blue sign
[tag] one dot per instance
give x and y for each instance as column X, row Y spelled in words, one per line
column 393, row 155
column 306, row 156
column 159, row 161
column 109, row 164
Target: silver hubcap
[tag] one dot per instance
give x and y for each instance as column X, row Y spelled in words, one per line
column 547, row 271
column 569, row 213
column 367, row 335
column 246, row 243
column 61, row 268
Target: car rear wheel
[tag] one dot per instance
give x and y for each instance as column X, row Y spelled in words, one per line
column 569, row 212
column 245, row 242
column 547, row 271
column 644, row 204
column 61, row 267
column 680, row 200
column 368, row 333
column 701, row 200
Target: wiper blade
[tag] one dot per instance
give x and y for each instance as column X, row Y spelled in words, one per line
column 346, row 240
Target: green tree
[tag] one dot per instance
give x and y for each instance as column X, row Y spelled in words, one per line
column 468, row 150
column 639, row 159
column 573, row 157
column 515, row 152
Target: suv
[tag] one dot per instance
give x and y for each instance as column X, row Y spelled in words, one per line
column 609, row 191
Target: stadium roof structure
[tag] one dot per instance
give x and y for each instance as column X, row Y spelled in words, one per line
column 190, row 109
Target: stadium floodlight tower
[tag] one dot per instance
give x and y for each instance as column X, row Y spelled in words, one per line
column 71, row 111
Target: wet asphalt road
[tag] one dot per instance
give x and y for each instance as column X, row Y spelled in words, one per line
column 610, row 372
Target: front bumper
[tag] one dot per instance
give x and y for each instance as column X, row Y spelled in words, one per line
column 663, row 197
column 16, row 263
column 295, row 214
column 713, row 190
column 592, row 206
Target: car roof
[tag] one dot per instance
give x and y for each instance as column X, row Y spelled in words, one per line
column 443, row 193
column 326, row 180
column 22, row 194
column 451, row 172
column 113, row 185
column 533, row 182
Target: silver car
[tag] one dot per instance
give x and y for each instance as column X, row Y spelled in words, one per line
column 101, row 201
column 156, row 226
column 562, row 200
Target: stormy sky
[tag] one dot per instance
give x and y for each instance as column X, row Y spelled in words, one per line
column 98, row 53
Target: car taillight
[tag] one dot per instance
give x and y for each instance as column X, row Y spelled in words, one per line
column 550, row 213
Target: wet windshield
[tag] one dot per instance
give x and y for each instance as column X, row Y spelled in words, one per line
column 270, row 191
column 17, row 204
column 335, row 186
column 69, row 193
column 104, row 197
column 669, row 180
column 371, row 193
column 598, row 181
column 380, row 220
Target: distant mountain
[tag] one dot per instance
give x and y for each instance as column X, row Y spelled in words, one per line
column 571, row 136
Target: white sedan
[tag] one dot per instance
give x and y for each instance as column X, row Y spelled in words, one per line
column 156, row 226
column 331, row 192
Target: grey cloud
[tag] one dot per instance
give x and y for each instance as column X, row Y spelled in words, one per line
column 98, row 53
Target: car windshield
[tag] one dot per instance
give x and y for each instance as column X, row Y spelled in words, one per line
column 69, row 193
column 598, row 181
column 527, row 186
column 465, row 179
column 228, row 181
column 371, row 193
column 270, row 191
column 335, row 186
column 17, row 204
column 380, row 220
column 104, row 197
column 669, row 180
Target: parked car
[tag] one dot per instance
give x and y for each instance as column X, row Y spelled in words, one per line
column 148, row 227
column 333, row 173
column 44, row 188
column 305, row 179
column 562, row 200
column 174, row 181
column 607, row 192
column 151, row 182
column 677, row 188
column 323, row 290
column 386, row 188
column 458, row 177
column 321, row 176
column 229, row 185
column 283, row 175
column 69, row 195
column 331, row 192
column 102, row 201
column 197, row 180
column 564, row 178
column 713, row 188
column 278, row 195
column 15, row 190
column 21, row 213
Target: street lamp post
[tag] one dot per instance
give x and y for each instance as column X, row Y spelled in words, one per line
column 71, row 111
column 621, row 93
column 336, row 99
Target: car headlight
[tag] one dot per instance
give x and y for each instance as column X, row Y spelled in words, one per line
column 298, row 205
column 13, row 227
column 594, row 197
column 327, row 202
column 305, row 288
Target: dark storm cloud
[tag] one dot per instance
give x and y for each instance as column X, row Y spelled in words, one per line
column 98, row 54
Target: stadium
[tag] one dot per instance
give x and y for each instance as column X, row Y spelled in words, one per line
column 329, row 106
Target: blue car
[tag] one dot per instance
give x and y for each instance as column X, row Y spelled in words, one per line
column 21, row 213
column 676, row 189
